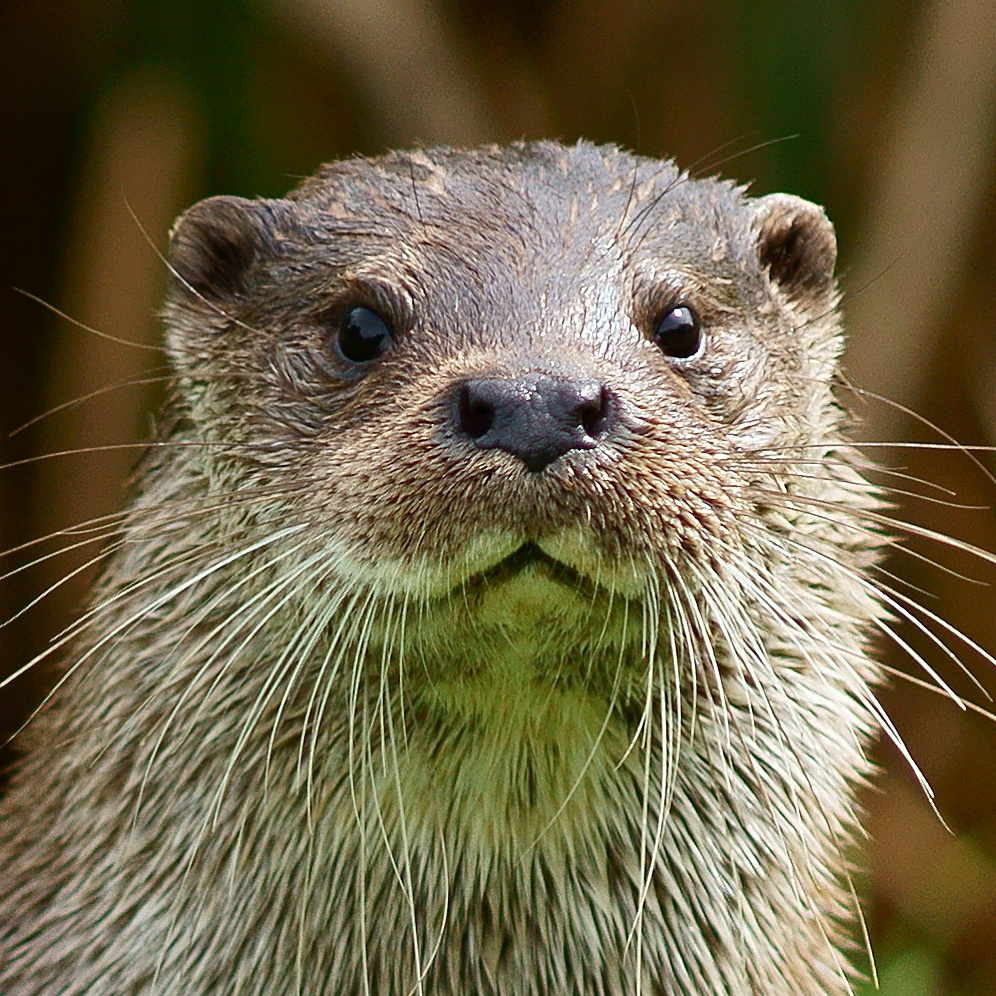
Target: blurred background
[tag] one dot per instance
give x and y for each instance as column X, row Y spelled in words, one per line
column 116, row 114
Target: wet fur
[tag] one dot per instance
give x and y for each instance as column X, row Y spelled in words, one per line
column 306, row 743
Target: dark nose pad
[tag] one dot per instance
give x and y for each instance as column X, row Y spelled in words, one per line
column 535, row 417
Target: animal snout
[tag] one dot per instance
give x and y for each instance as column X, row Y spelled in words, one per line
column 535, row 417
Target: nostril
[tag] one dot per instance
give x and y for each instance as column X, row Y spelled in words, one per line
column 476, row 414
column 592, row 413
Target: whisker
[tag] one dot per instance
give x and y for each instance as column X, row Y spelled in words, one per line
column 929, row 686
column 888, row 522
column 878, row 711
column 143, row 446
column 88, row 328
column 100, row 392
column 104, row 553
column 968, row 451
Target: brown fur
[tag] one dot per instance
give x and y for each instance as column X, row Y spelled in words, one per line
column 324, row 731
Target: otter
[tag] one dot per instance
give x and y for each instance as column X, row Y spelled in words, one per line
column 492, row 613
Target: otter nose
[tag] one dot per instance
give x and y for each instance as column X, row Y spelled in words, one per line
column 535, row 418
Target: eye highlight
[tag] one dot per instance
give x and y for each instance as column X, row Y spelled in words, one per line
column 363, row 336
column 678, row 333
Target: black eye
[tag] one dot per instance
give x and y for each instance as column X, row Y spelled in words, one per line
column 363, row 336
column 678, row 333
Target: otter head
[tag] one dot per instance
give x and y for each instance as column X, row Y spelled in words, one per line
column 517, row 391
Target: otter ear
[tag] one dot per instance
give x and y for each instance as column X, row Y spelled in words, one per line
column 214, row 244
column 796, row 245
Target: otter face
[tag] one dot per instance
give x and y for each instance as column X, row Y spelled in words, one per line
column 467, row 375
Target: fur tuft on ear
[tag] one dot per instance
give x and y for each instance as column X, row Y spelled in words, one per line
column 796, row 244
column 213, row 246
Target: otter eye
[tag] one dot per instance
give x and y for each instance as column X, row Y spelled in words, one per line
column 678, row 333
column 363, row 336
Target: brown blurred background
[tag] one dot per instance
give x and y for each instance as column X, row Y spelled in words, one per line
column 115, row 114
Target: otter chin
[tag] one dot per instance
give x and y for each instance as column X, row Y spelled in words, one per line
column 494, row 612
